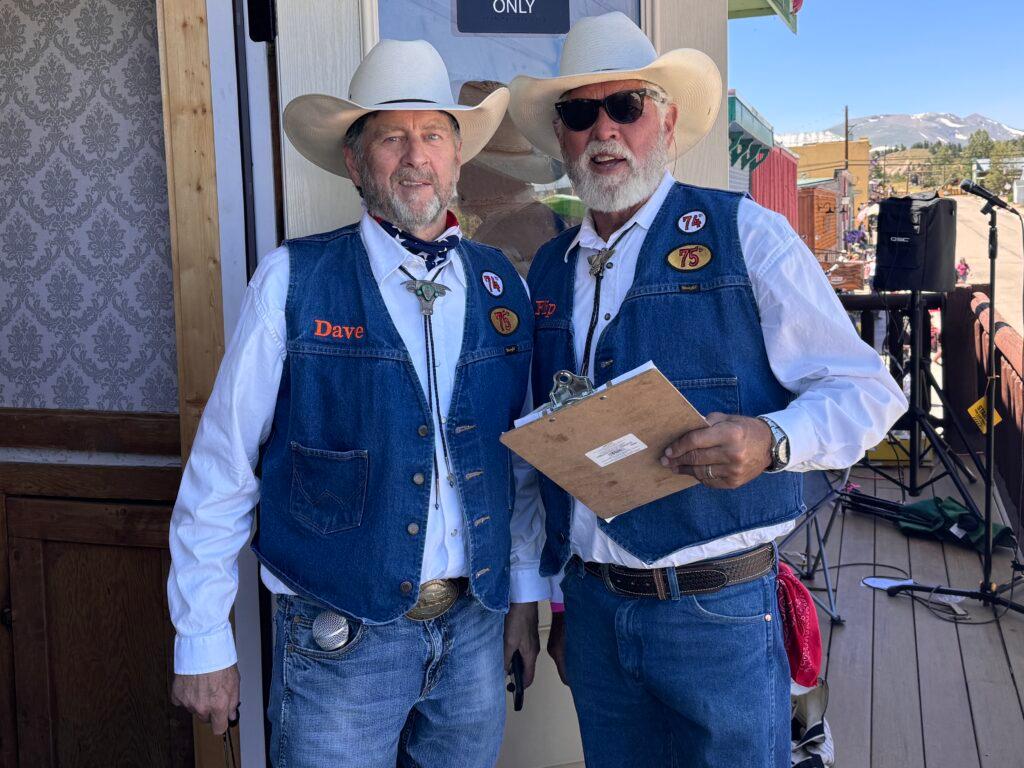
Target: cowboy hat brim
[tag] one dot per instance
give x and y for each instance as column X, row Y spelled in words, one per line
column 533, row 167
column 689, row 77
column 316, row 124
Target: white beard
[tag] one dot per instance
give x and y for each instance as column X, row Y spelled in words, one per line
column 611, row 194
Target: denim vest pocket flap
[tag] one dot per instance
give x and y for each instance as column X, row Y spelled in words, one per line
column 328, row 488
column 720, row 394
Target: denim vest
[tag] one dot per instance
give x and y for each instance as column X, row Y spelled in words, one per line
column 346, row 470
column 692, row 311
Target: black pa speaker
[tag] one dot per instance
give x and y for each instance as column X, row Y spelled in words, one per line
column 916, row 244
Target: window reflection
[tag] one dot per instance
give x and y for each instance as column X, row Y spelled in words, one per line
column 510, row 196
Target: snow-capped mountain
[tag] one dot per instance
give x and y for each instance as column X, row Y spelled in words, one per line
column 889, row 130
column 892, row 130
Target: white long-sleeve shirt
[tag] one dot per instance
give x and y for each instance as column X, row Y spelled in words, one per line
column 213, row 514
column 845, row 398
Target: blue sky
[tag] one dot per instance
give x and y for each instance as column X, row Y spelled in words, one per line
column 856, row 52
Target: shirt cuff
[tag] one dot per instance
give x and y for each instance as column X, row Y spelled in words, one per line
column 799, row 428
column 556, row 590
column 528, row 586
column 198, row 654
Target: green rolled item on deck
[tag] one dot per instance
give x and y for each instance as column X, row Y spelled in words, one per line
column 948, row 520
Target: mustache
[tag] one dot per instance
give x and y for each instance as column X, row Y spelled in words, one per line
column 417, row 177
column 609, row 147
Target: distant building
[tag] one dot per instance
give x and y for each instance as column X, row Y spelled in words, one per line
column 817, row 161
column 751, row 139
column 980, row 167
column 756, row 165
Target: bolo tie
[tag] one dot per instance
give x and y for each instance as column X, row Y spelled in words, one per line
column 435, row 257
column 598, row 261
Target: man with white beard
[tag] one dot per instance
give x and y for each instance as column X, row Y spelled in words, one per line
column 372, row 372
column 670, row 637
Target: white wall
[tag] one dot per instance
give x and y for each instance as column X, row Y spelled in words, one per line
column 701, row 24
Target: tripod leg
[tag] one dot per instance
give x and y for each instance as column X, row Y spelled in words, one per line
column 965, row 495
column 956, row 427
column 833, row 611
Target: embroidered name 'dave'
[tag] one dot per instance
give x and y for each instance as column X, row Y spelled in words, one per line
column 327, row 328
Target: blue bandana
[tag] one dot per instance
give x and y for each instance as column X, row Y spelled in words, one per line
column 433, row 252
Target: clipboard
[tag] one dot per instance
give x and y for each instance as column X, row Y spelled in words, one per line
column 604, row 445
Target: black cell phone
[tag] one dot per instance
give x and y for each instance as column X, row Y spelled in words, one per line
column 516, row 686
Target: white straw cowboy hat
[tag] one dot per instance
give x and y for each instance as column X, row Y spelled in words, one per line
column 509, row 152
column 395, row 75
column 611, row 47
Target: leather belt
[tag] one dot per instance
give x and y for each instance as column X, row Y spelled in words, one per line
column 436, row 597
column 698, row 578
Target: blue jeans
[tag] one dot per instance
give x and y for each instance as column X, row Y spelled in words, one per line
column 416, row 694
column 693, row 681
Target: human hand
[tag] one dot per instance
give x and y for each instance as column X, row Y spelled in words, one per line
column 212, row 697
column 730, row 452
column 521, row 635
column 556, row 644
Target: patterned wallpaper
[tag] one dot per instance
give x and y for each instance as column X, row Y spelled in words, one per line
column 86, row 301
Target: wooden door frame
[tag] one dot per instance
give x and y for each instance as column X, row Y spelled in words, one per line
column 194, row 230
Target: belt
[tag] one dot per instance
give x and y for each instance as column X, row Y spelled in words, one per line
column 436, row 597
column 698, row 578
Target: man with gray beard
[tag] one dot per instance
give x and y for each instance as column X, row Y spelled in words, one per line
column 372, row 372
column 670, row 635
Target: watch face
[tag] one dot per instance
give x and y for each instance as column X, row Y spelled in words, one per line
column 784, row 451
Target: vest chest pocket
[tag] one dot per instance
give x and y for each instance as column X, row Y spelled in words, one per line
column 720, row 394
column 328, row 488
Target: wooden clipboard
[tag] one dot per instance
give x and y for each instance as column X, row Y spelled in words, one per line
column 605, row 447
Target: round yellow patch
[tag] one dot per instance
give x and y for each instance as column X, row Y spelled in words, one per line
column 504, row 320
column 687, row 258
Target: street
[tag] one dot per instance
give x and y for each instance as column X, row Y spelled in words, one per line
column 972, row 244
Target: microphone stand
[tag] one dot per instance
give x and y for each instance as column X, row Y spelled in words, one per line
column 989, row 593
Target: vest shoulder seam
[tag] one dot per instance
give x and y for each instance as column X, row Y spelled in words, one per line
column 709, row 190
column 324, row 237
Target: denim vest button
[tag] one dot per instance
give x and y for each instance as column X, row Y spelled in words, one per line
column 413, row 529
column 406, row 587
column 418, row 478
column 423, row 431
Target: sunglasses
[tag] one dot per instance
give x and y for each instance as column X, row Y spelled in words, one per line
column 622, row 107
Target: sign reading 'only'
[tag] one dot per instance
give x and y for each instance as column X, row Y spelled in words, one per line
column 524, row 17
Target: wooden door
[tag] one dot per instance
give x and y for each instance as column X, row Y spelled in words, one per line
column 91, row 635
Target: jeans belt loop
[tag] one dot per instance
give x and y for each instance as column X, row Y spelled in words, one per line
column 673, row 583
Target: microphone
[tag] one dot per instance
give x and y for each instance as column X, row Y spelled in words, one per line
column 971, row 188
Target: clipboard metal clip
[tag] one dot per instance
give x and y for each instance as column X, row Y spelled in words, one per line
column 568, row 389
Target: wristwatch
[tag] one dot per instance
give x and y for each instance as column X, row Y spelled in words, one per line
column 780, row 446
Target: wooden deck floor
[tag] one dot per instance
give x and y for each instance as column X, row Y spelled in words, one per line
column 909, row 690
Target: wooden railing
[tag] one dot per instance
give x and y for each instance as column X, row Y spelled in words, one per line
column 965, row 365
column 964, row 343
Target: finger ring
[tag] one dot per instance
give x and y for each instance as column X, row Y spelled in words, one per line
column 708, row 474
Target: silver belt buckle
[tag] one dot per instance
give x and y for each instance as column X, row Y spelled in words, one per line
column 436, row 597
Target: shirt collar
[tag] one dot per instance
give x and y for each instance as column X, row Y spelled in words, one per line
column 587, row 236
column 387, row 255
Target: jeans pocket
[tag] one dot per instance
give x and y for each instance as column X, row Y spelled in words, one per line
column 301, row 615
column 328, row 488
column 739, row 604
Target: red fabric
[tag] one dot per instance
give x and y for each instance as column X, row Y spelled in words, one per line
column 799, row 628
